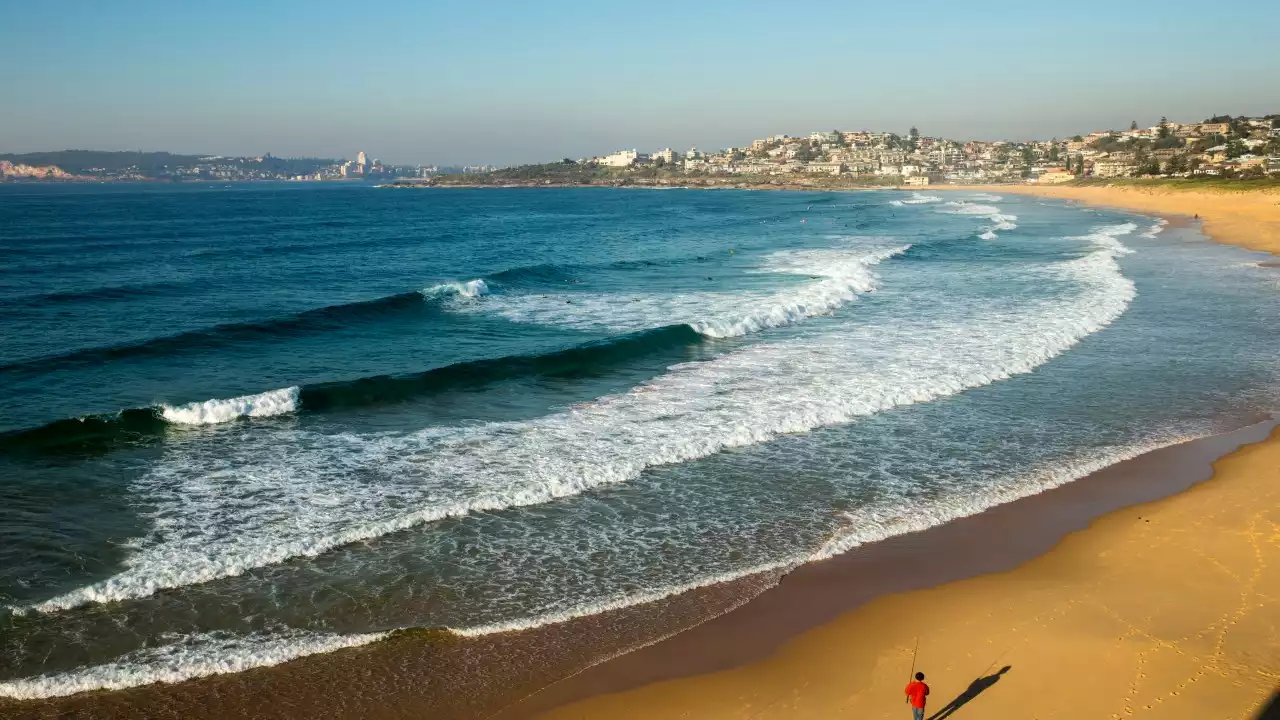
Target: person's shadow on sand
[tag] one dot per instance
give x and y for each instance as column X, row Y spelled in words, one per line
column 975, row 688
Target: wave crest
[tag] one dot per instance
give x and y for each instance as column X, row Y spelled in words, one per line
column 470, row 289
column 212, row 412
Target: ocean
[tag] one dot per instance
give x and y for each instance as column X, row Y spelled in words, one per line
column 245, row 424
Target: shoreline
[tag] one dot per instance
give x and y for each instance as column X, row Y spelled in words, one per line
column 686, row 638
column 390, row 678
column 818, row 594
column 1247, row 218
column 1136, row 607
column 607, row 691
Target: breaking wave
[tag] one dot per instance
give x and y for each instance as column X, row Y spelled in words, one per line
column 998, row 219
column 470, row 288
column 917, row 199
column 839, row 276
column 347, row 488
column 98, row 432
column 208, row 654
column 212, row 412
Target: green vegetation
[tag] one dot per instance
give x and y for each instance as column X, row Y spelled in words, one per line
column 159, row 164
column 81, row 162
column 568, row 172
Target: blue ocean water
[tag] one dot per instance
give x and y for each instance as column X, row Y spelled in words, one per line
column 247, row 423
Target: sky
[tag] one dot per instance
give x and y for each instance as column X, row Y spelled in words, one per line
column 490, row 81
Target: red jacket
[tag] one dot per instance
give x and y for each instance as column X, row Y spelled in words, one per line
column 917, row 691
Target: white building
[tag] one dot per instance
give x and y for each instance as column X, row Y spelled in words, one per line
column 360, row 159
column 828, row 168
column 667, row 155
column 622, row 158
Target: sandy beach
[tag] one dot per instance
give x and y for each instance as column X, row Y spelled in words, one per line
column 1248, row 218
column 1112, row 595
column 1166, row 609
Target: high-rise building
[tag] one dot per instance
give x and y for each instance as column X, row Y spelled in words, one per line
column 360, row 159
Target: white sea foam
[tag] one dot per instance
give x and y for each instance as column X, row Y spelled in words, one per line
column 626, row 600
column 840, row 275
column 191, row 656
column 470, row 289
column 843, row 280
column 986, row 197
column 909, row 515
column 999, row 220
column 312, row 492
column 696, row 409
column 919, row 199
column 1155, row 229
column 212, row 412
column 212, row 654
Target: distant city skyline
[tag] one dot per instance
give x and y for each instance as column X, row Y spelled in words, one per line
column 506, row 83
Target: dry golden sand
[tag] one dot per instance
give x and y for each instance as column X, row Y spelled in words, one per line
column 1168, row 610
column 1165, row 610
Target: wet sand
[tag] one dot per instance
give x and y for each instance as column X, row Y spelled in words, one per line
column 797, row 652
column 1167, row 608
column 838, row 615
column 520, row 674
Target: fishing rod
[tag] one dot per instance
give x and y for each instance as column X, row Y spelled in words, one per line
column 912, row 675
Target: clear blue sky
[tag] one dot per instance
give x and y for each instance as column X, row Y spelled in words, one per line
column 505, row 82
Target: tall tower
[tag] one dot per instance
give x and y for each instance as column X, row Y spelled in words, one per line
column 360, row 159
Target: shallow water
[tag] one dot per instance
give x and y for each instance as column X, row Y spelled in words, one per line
column 248, row 424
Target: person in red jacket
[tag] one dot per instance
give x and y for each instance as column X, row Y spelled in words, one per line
column 917, row 691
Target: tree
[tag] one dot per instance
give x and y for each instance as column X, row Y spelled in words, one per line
column 1163, row 132
column 1133, row 125
column 1053, row 152
column 1236, row 148
column 1077, row 138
